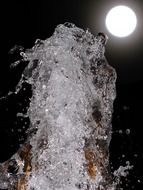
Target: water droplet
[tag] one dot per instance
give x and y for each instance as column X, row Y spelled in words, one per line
column 128, row 131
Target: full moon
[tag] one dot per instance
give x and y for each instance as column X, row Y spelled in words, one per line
column 121, row 21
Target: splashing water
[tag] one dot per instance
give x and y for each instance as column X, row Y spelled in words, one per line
column 73, row 89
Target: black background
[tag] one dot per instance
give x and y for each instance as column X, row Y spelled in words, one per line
column 25, row 21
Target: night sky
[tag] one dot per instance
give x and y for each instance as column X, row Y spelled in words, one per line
column 25, row 21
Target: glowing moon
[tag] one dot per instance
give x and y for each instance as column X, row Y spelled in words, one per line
column 121, row 21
